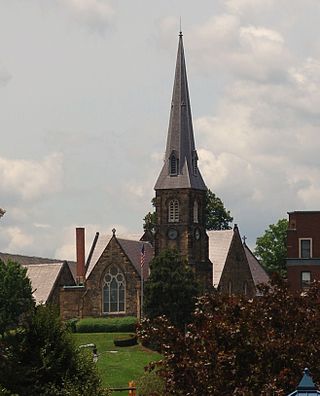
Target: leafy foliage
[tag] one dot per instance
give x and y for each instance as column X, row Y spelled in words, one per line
column 217, row 217
column 40, row 359
column 151, row 384
column 150, row 220
column 271, row 247
column 15, row 295
column 171, row 288
column 237, row 346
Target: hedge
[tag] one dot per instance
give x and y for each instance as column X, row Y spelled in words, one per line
column 107, row 325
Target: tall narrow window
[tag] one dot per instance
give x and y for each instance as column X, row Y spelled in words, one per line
column 195, row 163
column 245, row 288
column 230, row 288
column 195, row 212
column 174, row 165
column 114, row 291
column 305, row 279
column 173, row 216
column 305, row 248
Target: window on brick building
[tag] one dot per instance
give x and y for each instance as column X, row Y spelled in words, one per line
column 305, row 279
column 173, row 216
column 114, row 291
column 305, row 248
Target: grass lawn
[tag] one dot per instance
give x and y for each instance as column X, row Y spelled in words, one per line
column 120, row 367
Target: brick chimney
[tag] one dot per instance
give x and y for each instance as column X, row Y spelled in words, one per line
column 80, row 247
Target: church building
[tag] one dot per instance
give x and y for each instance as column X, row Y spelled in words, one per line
column 109, row 281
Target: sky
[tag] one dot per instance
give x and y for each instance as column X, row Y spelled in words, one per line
column 85, row 92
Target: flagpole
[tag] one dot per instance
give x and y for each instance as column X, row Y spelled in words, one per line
column 141, row 308
column 141, row 274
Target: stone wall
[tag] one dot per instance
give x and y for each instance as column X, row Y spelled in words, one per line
column 65, row 278
column 194, row 250
column 112, row 255
column 236, row 276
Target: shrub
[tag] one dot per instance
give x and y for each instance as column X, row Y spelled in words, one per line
column 41, row 359
column 107, row 325
column 71, row 325
column 151, row 384
column 124, row 341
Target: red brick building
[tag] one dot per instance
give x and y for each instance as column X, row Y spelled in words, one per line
column 303, row 249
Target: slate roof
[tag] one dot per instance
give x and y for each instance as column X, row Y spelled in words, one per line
column 31, row 260
column 219, row 245
column 259, row 275
column 23, row 260
column 43, row 278
column 132, row 248
column 180, row 138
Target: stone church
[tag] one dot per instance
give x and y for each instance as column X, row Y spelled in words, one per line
column 109, row 281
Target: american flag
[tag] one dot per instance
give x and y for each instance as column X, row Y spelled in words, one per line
column 142, row 256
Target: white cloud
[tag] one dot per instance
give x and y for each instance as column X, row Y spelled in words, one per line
column 241, row 6
column 5, row 76
column 31, row 180
column 97, row 15
column 18, row 239
column 246, row 51
column 67, row 248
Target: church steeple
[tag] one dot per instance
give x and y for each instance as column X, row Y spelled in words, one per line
column 180, row 169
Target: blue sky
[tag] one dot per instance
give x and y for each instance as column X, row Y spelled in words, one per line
column 85, row 90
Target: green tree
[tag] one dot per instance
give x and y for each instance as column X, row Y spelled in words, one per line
column 41, row 359
column 217, row 217
column 171, row 289
column 15, row 295
column 271, row 247
column 150, row 220
column 240, row 346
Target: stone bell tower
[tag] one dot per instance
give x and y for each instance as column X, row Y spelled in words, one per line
column 180, row 189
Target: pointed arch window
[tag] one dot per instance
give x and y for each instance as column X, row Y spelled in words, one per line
column 195, row 212
column 173, row 211
column 114, row 291
column 173, row 164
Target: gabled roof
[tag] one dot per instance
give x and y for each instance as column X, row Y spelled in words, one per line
column 32, row 260
column 5, row 257
column 219, row 245
column 101, row 242
column 259, row 275
column 43, row 278
column 132, row 249
column 180, row 140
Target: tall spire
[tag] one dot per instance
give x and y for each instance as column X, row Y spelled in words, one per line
column 180, row 168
